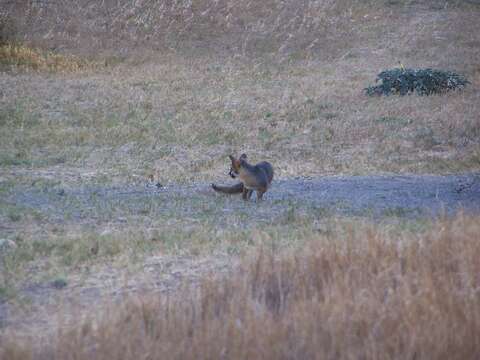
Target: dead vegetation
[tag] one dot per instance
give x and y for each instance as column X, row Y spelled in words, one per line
column 282, row 29
column 240, row 27
column 368, row 294
column 16, row 57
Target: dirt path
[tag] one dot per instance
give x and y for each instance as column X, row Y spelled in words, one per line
column 378, row 195
column 371, row 196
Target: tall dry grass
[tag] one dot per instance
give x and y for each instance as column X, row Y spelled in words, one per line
column 242, row 27
column 237, row 25
column 20, row 57
column 370, row 294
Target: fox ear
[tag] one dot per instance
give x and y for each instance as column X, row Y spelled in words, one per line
column 231, row 158
column 243, row 157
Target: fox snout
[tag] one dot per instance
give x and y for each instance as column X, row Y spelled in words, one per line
column 232, row 174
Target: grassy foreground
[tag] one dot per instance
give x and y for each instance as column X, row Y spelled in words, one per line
column 368, row 294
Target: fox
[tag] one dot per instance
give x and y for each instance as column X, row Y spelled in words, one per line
column 252, row 178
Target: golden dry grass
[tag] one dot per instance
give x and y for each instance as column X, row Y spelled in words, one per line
column 16, row 57
column 369, row 294
column 128, row 26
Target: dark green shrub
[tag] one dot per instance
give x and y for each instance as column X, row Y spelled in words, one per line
column 422, row 81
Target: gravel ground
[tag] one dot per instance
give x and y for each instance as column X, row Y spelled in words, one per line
column 371, row 196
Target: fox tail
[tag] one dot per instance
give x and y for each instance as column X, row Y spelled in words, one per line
column 234, row 189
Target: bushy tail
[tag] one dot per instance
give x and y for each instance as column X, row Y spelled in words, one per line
column 234, row 189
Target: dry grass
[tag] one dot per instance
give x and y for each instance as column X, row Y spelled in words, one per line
column 369, row 294
column 238, row 26
column 16, row 57
column 287, row 88
column 276, row 27
column 180, row 120
column 282, row 81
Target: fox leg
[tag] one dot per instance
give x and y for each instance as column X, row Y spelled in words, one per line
column 245, row 193
column 260, row 195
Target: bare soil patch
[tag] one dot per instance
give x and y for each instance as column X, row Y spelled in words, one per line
column 370, row 196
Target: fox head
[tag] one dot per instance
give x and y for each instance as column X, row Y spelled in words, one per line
column 236, row 164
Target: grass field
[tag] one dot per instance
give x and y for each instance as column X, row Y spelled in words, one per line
column 362, row 293
column 99, row 95
column 178, row 113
